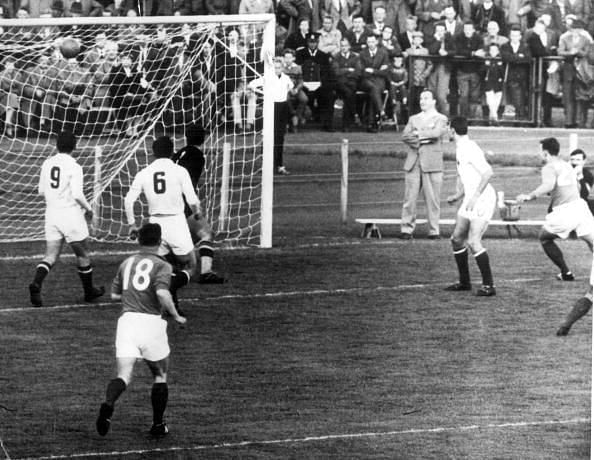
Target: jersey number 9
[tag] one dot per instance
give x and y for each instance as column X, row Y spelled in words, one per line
column 141, row 277
column 159, row 182
column 55, row 177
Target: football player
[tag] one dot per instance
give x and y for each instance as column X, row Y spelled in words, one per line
column 61, row 184
column 142, row 285
column 569, row 212
column 475, row 212
column 191, row 157
column 165, row 185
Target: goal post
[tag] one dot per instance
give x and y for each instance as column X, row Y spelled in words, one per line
column 120, row 82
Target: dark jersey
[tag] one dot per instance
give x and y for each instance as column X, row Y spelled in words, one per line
column 191, row 158
column 138, row 279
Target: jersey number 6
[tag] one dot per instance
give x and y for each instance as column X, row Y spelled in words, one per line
column 159, row 182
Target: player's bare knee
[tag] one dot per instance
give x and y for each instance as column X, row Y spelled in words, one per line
column 458, row 242
column 475, row 246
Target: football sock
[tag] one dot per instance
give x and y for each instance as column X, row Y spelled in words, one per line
column 42, row 270
column 206, row 253
column 581, row 307
column 461, row 256
column 86, row 276
column 555, row 254
column 482, row 260
column 114, row 389
column 159, row 396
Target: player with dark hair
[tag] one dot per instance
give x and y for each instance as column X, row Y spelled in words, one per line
column 191, row 158
column 585, row 178
column 61, row 184
column 167, row 188
column 475, row 212
column 568, row 212
column 142, row 285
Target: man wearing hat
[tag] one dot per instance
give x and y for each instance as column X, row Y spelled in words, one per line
column 573, row 43
column 318, row 79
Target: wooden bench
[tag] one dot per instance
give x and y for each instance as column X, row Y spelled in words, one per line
column 371, row 229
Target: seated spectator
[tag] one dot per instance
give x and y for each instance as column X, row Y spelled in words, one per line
column 297, row 99
column 318, row 81
column 289, row 12
column 374, row 63
column 494, row 81
column 517, row 57
column 442, row 45
column 484, row 13
column 346, row 65
column 342, row 12
column 357, row 35
column 398, row 80
column 11, row 83
column 298, row 40
column 492, row 36
column 329, row 41
column 379, row 21
column 389, row 42
column 420, row 69
column 429, row 12
column 405, row 38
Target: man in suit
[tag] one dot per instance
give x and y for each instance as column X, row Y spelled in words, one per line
column 405, row 38
column 423, row 165
column 374, row 62
column 347, row 68
column 516, row 55
column 486, row 12
column 453, row 24
column 298, row 39
column 357, row 36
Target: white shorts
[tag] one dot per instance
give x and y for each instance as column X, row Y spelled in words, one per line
column 68, row 224
column 141, row 335
column 565, row 218
column 484, row 207
column 175, row 234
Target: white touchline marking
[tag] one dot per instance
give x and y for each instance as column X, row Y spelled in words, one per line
column 313, row 292
column 372, row 434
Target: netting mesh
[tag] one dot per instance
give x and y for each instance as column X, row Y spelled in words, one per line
column 117, row 88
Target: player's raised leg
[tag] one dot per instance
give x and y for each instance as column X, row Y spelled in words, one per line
column 53, row 249
column 458, row 240
column 475, row 235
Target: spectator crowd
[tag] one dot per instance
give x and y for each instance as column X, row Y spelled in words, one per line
column 481, row 59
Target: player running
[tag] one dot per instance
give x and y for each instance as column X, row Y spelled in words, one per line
column 165, row 185
column 568, row 213
column 191, row 157
column 142, row 284
column 474, row 213
column 61, row 184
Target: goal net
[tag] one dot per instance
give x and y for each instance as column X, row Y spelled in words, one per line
column 118, row 83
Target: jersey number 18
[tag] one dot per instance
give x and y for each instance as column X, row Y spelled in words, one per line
column 141, row 278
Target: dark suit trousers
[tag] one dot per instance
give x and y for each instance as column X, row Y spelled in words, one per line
column 517, row 93
column 374, row 87
column 346, row 90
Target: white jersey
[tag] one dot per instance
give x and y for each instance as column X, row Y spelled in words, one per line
column 163, row 184
column 471, row 165
column 61, row 182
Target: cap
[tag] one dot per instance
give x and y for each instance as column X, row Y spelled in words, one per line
column 58, row 5
column 312, row 37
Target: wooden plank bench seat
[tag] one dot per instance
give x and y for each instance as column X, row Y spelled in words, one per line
column 371, row 225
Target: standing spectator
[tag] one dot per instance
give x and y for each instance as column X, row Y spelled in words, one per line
column 217, row 7
column 290, row 12
column 191, row 7
column 297, row 98
column 572, row 44
column 279, row 87
column 453, row 24
column 298, row 39
column 429, row 13
column 314, row 13
column 405, row 38
column 423, row 165
column 357, row 36
column 585, row 178
column 38, row 102
column 420, row 68
column 329, row 41
column 442, row 45
column 398, row 79
column 389, row 42
column 487, row 11
column 341, row 12
column 374, row 62
column 316, row 70
column 517, row 57
column 379, row 21
column 494, row 81
column 6, row 10
column 347, row 68
column 397, row 11
column 468, row 45
column 251, row 33
column 492, row 36
column 11, row 84
column 584, row 85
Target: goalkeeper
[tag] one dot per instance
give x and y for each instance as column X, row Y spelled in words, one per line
column 191, row 158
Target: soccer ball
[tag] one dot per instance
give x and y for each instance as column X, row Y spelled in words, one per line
column 70, row 48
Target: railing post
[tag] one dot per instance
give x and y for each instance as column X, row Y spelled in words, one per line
column 344, row 180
